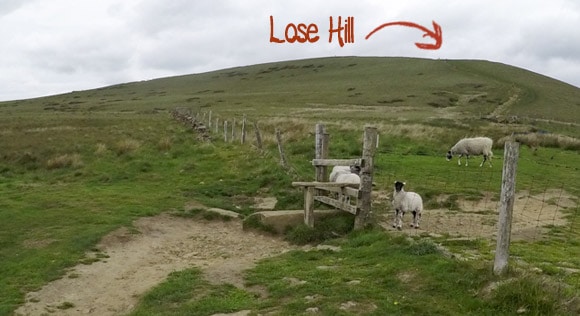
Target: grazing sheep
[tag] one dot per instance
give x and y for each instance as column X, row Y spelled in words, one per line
column 404, row 202
column 472, row 147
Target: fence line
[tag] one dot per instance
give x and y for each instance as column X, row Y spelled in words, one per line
column 466, row 212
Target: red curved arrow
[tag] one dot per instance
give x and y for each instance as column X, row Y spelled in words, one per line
column 437, row 34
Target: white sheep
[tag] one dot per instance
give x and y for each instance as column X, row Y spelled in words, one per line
column 472, row 147
column 405, row 202
column 344, row 174
column 338, row 170
column 348, row 178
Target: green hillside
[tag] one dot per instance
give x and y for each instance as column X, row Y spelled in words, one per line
column 469, row 96
column 76, row 166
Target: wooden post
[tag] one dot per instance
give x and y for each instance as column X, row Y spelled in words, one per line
column 226, row 131
column 325, row 151
column 258, row 136
column 309, row 206
column 243, row 139
column 217, row 120
column 508, row 187
column 362, row 219
column 283, row 161
column 320, row 174
column 209, row 120
column 234, row 130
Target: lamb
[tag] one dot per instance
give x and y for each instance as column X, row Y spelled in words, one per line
column 472, row 147
column 404, row 202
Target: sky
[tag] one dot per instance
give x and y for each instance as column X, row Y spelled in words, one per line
column 57, row 46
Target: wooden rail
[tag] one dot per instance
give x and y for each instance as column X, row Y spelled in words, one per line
column 352, row 198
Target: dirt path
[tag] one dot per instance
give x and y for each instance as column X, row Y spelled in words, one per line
column 137, row 262
column 532, row 214
column 222, row 250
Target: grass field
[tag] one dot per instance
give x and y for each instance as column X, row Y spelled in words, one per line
column 75, row 166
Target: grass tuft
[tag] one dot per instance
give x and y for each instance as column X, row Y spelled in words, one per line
column 101, row 149
column 326, row 228
column 127, row 147
column 64, row 161
column 527, row 295
column 164, row 144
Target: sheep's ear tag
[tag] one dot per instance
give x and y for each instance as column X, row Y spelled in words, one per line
column 404, row 183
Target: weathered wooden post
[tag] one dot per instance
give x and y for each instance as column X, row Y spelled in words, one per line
column 508, row 187
column 258, row 136
column 243, row 139
column 362, row 219
column 283, row 161
column 217, row 120
column 226, row 131
column 234, row 129
column 320, row 149
column 309, row 206
column 209, row 120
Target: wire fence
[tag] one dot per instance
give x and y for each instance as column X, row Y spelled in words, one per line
column 468, row 206
column 466, row 202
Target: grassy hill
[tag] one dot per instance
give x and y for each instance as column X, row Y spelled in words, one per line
column 76, row 166
column 464, row 87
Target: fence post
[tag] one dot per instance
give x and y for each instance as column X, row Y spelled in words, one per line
column 319, row 153
column 234, row 129
column 209, row 120
column 508, row 186
column 217, row 120
column 363, row 217
column 243, row 139
column 258, row 136
column 281, row 150
column 309, row 206
column 226, row 131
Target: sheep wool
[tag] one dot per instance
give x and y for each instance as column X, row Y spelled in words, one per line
column 472, row 147
column 406, row 202
column 348, row 178
column 343, row 170
column 337, row 170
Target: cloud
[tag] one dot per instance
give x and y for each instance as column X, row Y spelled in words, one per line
column 58, row 46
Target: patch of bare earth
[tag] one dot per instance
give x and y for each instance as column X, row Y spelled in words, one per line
column 137, row 261
column 532, row 214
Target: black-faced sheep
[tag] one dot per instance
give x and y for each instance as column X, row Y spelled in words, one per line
column 406, row 202
column 472, row 147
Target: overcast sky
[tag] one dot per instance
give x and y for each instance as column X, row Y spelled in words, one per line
column 57, row 46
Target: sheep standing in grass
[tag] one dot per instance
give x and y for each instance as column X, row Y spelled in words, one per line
column 472, row 147
column 406, row 202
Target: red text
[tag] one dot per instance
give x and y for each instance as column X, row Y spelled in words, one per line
column 344, row 33
column 300, row 33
